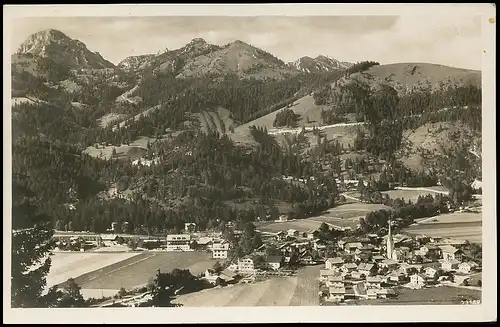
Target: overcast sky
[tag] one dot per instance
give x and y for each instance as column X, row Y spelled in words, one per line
column 454, row 41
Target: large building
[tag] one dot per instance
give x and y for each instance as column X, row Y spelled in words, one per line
column 179, row 242
column 220, row 250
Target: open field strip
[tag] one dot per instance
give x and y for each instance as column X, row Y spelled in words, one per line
column 408, row 194
column 300, row 290
column 140, row 269
column 67, row 265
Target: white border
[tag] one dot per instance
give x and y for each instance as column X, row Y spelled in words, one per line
column 484, row 312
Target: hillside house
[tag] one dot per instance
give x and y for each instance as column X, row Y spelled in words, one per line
column 373, row 281
column 388, row 263
column 418, row 280
column 274, row 262
column 211, row 276
column 336, row 294
column 451, row 253
column 467, row 267
column 246, row 265
column 401, row 254
column 430, row 251
column 349, row 267
column 352, row 247
column 449, row 265
column 430, row 272
column 189, row 227
column 335, row 281
column 220, row 250
column 292, row 233
column 178, row 242
column 280, row 236
column 334, row 263
column 367, row 269
column 324, row 274
column 283, row 218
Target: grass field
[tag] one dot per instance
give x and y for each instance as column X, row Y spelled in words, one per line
column 436, row 295
column 345, row 215
column 408, row 194
column 458, row 225
column 71, row 265
column 138, row 270
column 300, row 290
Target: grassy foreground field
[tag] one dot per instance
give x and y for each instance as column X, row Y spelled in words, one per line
column 137, row 270
column 444, row 295
column 300, row 290
column 458, row 225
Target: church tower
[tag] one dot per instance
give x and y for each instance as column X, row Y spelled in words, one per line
column 390, row 242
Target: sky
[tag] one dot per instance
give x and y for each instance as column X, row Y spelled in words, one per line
column 454, row 41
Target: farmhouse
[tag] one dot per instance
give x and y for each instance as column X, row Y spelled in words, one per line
column 293, row 233
column 367, row 269
column 336, row 294
column 190, row 227
column 178, row 242
column 280, row 236
column 274, row 262
column 418, row 280
column 220, row 250
column 211, row 276
column 430, row 251
column 335, row 281
column 352, row 247
column 283, row 218
column 430, row 272
column 448, row 265
column 373, row 281
column 451, row 253
column 332, row 263
column 467, row 267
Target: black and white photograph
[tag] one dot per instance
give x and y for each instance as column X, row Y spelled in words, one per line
column 185, row 161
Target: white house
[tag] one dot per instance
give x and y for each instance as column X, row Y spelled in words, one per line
column 430, row 250
column 220, row 250
column 401, row 253
column 293, row 233
column 274, row 262
column 178, row 242
column 332, row 263
column 336, row 294
column 467, row 267
column 335, row 281
column 283, row 218
column 246, row 265
column 451, row 253
column 430, row 272
column 352, row 247
column 366, row 269
column 449, row 265
column 418, row 280
column 190, row 227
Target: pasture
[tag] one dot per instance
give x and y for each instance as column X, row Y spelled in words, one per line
column 435, row 295
column 67, row 265
column 138, row 270
column 408, row 194
column 345, row 215
column 300, row 290
column 457, row 225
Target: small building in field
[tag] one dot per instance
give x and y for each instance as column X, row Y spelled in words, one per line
column 178, row 242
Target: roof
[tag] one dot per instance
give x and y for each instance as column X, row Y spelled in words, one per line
column 337, row 290
column 378, row 257
column 274, row 258
column 328, row 272
column 431, row 246
column 386, row 291
column 453, row 262
column 420, row 275
column 335, row 278
column 366, row 266
column 389, row 262
column 354, row 245
column 374, row 279
column 470, row 263
column 372, row 235
column 448, row 249
column 351, row 265
column 292, row 230
column 336, row 260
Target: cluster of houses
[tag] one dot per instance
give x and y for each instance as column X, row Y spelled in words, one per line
column 373, row 267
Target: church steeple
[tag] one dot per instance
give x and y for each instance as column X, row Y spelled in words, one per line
column 390, row 242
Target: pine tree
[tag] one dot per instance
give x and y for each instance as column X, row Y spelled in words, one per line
column 31, row 244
